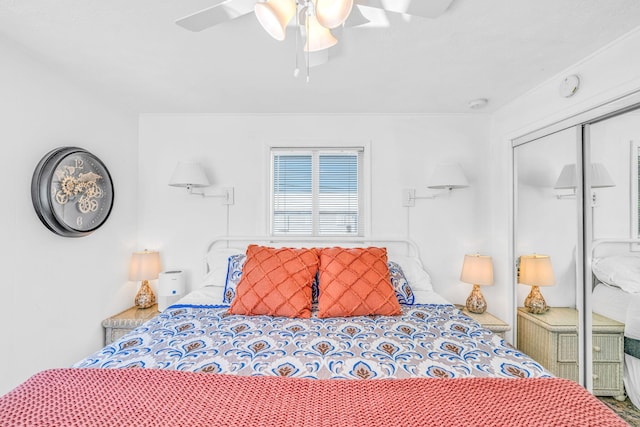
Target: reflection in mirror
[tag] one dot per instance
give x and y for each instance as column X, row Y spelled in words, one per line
column 615, row 300
column 546, row 222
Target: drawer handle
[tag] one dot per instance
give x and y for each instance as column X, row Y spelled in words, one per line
column 595, row 377
column 596, row 348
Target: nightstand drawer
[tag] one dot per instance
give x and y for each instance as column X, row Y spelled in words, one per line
column 568, row 348
column 568, row 370
column 607, row 348
column 607, row 379
column 121, row 324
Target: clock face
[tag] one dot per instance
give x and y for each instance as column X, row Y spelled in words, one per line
column 72, row 192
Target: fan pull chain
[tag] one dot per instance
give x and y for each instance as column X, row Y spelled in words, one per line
column 307, row 25
column 296, row 70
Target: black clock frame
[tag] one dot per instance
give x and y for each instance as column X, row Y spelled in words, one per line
column 41, row 191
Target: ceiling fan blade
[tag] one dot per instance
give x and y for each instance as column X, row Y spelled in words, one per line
column 423, row 8
column 355, row 18
column 218, row 14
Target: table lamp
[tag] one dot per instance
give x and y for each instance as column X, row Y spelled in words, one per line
column 535, row 271
column 477, row 270
column 144, row 266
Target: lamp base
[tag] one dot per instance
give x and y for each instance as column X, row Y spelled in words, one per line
column 476, row 302
column 535, row 302
column 145, row 297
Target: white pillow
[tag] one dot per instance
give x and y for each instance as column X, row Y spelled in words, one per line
column 418, row 278
column 622, row 271
column 218, row 264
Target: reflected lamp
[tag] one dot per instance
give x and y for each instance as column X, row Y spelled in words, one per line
column 535, row 271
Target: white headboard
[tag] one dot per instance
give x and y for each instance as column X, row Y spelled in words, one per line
column 394, row 245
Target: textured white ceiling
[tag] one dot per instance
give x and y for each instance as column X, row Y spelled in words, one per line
column 133, row 52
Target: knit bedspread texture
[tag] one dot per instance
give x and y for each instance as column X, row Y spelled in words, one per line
column 149, row 397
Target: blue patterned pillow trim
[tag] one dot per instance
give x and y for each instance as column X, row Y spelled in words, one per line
column 400, row 284
column 234, row 273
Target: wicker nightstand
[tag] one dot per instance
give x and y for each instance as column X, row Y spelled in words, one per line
column 551, row 339
column 122, row 323
column 487, row 320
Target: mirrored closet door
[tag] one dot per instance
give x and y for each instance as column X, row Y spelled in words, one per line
column 548, row 250
column 576, row 230
column 612, row 148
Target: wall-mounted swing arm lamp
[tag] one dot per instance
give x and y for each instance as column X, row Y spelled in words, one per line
column 190, row 175
column 445, row 177
column 600, row 178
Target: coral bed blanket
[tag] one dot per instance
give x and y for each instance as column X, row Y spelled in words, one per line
column 146, row 397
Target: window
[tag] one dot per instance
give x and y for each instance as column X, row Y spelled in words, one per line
column 316, row 192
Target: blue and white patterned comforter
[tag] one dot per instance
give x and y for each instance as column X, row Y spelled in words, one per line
column 428, row 340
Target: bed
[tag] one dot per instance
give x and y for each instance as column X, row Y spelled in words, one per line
column 409, row 359
column 616, row 295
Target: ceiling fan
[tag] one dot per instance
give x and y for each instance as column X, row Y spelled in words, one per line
column 315, row 18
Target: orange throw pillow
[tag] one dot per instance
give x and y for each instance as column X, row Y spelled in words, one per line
column 276, row 282
column 355, row 282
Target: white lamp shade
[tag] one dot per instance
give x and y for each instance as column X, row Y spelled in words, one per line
column 567, row 178
column 144, row 265
column 477, row 270
column 447, row 176
column 536, row 270
column 274, row 15
column 600, row 177
column 332, row 13
column 189, row 174
column 318, row 37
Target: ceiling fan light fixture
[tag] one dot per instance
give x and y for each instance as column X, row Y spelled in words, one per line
column 333, row 13
column 318, row 37
column 274, row 15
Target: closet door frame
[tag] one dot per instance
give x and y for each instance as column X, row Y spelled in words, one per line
column 581, row 122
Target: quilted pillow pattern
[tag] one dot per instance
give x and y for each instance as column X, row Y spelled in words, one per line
column 276, row 282
column 355, row 282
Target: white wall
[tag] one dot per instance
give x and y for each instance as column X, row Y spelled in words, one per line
column 55, row 291
column 606, row 75
column 233, row 150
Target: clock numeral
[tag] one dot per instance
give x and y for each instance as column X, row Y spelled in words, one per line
column 79, row 164
column 79, row 221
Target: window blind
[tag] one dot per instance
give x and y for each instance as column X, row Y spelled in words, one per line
column 317, row 192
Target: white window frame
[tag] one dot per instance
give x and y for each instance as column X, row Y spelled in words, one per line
column 364, row 227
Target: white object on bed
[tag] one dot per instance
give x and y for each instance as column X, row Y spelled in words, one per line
column 622, row 271
column 610, row 301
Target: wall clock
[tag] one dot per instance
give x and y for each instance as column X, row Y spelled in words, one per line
column 72, row 192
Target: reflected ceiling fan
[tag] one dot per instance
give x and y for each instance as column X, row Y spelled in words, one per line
column 315, row 18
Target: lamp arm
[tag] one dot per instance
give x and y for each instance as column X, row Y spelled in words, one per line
column 227, row 194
